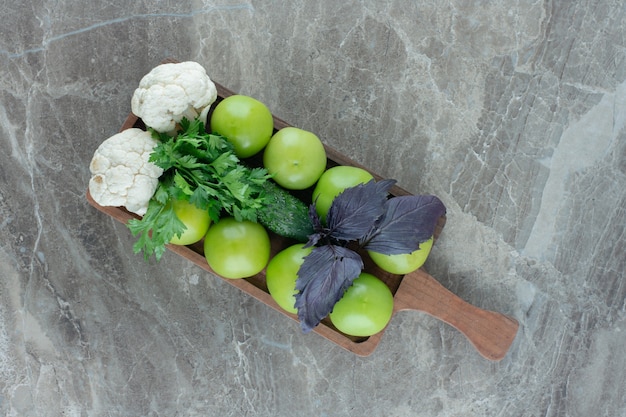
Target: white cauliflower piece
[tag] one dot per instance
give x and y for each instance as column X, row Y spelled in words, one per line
column 121, row 172
column 172, row 91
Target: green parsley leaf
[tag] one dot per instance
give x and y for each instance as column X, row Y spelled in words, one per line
column 203, row 168
column 159, row 217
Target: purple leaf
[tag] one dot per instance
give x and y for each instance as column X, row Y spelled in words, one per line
column 320, row 232
column 315, row 219
column 354, row 212
column 323, row 277
column 407, row 222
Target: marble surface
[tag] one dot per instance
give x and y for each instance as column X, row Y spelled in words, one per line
column 513, row 112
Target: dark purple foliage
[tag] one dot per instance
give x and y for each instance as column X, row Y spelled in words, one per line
column 363, row 214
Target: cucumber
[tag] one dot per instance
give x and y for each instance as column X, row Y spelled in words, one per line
column 285, row 214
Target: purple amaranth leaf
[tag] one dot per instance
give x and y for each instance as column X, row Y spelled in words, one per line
column 407, row 222
column 354, row 212
column 315, row 219
column 318, row 228
column 323, row 277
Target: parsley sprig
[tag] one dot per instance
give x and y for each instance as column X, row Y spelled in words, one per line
column 200, row 167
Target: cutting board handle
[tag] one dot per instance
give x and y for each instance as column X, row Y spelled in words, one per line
column 491, row 333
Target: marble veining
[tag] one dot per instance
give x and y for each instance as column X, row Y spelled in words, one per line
column 513, row 113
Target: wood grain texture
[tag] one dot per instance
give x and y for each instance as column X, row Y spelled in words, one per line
column 491, row 333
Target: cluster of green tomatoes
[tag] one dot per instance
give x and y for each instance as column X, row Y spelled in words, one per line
column 297, row 160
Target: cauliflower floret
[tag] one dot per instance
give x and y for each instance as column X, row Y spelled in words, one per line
column 121, row 172
column 172, row 91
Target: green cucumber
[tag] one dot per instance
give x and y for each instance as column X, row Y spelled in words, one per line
column 285, row 214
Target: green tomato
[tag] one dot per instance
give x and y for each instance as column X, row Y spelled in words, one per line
column 282, row 273
column 333, row 182
column 195, row 219
column 245, row 122
column 365, row 308
column 236, row 249
column 295, row 157
column 403, row 263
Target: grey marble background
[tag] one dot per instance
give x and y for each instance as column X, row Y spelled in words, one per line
column 513, row 112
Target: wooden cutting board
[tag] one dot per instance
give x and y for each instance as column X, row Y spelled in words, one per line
column 491, row 333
